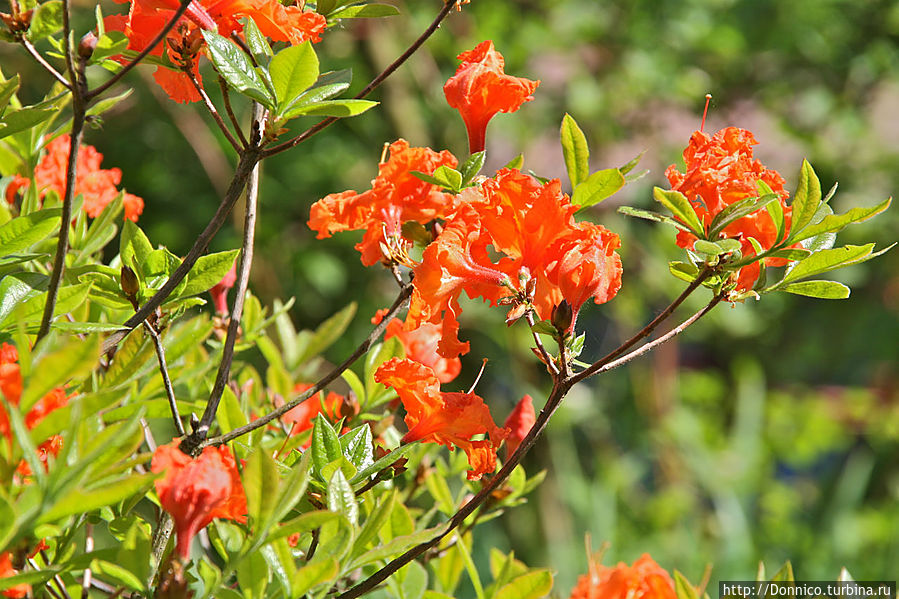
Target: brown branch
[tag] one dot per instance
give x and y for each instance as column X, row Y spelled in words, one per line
column 207, row 101
column 547, row 359
column 373, row 84
column 226, row 97
column 166, row 381
column 402, row 298
column 29, row 47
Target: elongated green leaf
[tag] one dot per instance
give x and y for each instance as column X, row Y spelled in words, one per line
column 236, row 68
column 108, row 103
column 378, row 517
column 257, row 43
column 597, row 187
column 826, row 260
column 328, row 332
column 261, row 481
column 68, row 363
column 819, row 289
column 7, row 89
column 23, row 119
column 776, row 211
column 532, row 585
column 384, row 462
column 472, row 166
column 684, row 271
column 682, row 587
column 575, row 151
column 835, row 222
column 738, row 210
column 325, row 446
column 45, row 21
column 293, row 70
column 208, row 272
column 109, row 44
column 117, row 573
column 681, row 207
column 24, row 231
column 68, row 298
column 316, row 573
column 305, row 523
column 653, row 216
column 396, row 546
column 336, row 108
column 357, row 446
column 18, row 287
column 341, row 498
column 252, row 576
column 368, row 11
column 807, row 198
column 81, row 501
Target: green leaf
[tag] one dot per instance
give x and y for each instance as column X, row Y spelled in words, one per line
column 108, row 103
column 827, row 260
column 208, row 272
column 806, row 199
column 472, row 166
column 335, row 108
column 835, row 222
column 305, row 523
column 235, row 67
column 110, row 43
column 252, row 576
column 45, row 21
column 341, row 498
column 117, row 573
column 653, row 216
column 368, row 11
column 449, row 177
column 819, row 289
column 790, row 254
column 357, row 446
column 681, row 207
column 597, row 187
column 576, row 152
column 395, row 546
column 68, row 298
column 18, row 287
column 328, row 332
column 325, row 445
column 378, row 517
column 70, row 362
column 134, row 247
column 682, row 587
column 384, row 462
column 776, row 211
column 318, row 572
column 257, row 43
column 8, row 88
column 25, row 118
column 293, row 70
column 81, row 501
column 516, row 163
column 633, row 162
column 261, row 481
column 533, row 585
column 738, row 210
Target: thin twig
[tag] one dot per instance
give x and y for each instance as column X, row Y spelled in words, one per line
column 88, row 547
column 29, row 47
column 48, row 588
column 547, row 359
column 108, row 588
column 166, row 381
column 447, row 7
column 211, row 108
column 148, row 435
column 647, row 330
column 56, row 578
column 376, row 333
column 67, row 47
column 160, row 541
column 243, row 279
column 248, row 159
column 226, row 97
column 90, row 95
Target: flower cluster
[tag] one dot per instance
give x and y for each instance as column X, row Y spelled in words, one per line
column 645, row 579
column 302, row 417
column 185, row 42
column 720, row 171
column 11, row 388
column 194, row 491
column 97, row 186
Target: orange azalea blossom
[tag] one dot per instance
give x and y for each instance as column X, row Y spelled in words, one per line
column 301, row 417
column 480, row 89
column 219, row 291
column 396, row 196
column 194, row 491
column 644, row 580
column 7, row 570
column 146, row 17
column 450, row 419
column 420, row 345
column 96, row 185
column 519, row 423
column 720, row 171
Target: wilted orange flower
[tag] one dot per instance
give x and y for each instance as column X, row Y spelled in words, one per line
column 194, row 491
column 183, row 44
column 480, row 89
column 720, row 171
column 585, row 264
column 420, row 345
column 450, row 419
column 96, row 185
column 396, row 196
column 644, row 580
column 519, row 423
column 219, row 291
column 7, row 570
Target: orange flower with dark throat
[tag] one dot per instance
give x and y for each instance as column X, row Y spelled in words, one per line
column 720, row 171
column 480, row 89
column 643, row 580
column 396, row 196
column 450, row 419
column 194, row 491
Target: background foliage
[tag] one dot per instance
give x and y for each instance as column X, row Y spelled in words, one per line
column 768, row 432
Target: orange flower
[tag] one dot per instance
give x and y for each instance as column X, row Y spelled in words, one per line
column 450, row 419
column 480, row 89
column 420, row 345
column 720, row 171
column 184, row 43
column 196, row 491
column 95, row 185
column 219, row 291
column 6, row 570
column 520, row 422
column 301, row 417
column 644, row 580
column 396, row 196
column 456, row 261
column 586, row 265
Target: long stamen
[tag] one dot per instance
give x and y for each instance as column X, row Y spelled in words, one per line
column 708, row 98
column 475, row 383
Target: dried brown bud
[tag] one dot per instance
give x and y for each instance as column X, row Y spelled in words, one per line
column 562, row 316
column 130, row 283
column 87, row 45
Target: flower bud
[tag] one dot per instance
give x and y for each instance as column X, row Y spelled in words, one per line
column 129, row 282
column 562, row 316
column 87, row 45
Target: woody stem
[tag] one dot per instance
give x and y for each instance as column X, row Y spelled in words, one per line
column 547, row 359
column 166, row 381
column 207, row 101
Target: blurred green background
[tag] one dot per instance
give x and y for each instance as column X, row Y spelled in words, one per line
column 769, row 431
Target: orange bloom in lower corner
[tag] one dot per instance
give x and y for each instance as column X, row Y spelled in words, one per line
column 645, row 579
column 194, row 491
column 450, row 419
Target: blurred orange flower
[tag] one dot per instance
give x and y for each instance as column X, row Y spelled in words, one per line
column 520, row 422
column 7, row 570
column 194, row 491
column 480, row 89
column 301, row 417
column 450, row 419
column 643, row 580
